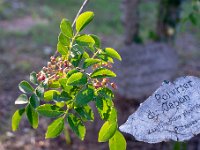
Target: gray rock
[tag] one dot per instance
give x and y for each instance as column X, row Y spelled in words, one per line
column 171, row 113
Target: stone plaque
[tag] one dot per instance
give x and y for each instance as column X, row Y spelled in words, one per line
column 143, row 68
column 171, row 113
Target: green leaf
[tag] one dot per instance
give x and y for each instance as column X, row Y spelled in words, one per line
column 97, row 40
column 105, row 57
column 32, row 116
column 66, row 28
column 85, row 112
column 40, row 91
column 71, row 72
column 102, row 73
column 25, row 87
column 85, row 40
column 112, row 53
column 63, row 40
column 106, row 93
column 85, row 96
column 49, row 110
column 22, row 99
column 89, row 62
column 55, row 128
column 83, row 20
column 104, row 107
column 107, row 131
column 49, row 95
column 77, row 126
column 54, row 84
column 117, row 142
column 62, row 49
column 16, row 118
column 63, row 97
column 77, row 79
column 86, row 55
column 113, row 115
column 33, row 78
column 34, row 101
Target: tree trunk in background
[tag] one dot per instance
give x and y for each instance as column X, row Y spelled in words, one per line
column 131, row 20
column 168, row 17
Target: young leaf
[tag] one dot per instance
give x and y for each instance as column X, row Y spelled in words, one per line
column 22, row 99
column 85, row 112
column 107, row 131
column 34, row 101
column 49, row 110
column 113, row 115
column 55, row 128
column 25, row 87
column 32, row 116
column 49, row 95
column 85, row 40
column 77, row 79
column 76, row 125
column 102, row 73
column 66, row 28
column 63, row 40
column 16, row 118
column 117, row 142
column 112, row 53
column 83, row 20
column 85, row 96
column 89, row 62
column 62, row 49
column 33, row 78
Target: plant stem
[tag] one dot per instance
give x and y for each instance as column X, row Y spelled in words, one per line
column 80, row 11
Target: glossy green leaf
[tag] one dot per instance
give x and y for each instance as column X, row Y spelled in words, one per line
column 49, row 110
column 89, row 62
column 85, row 112
column 16, row 118
column 77, row 79
column 63, row 40
column 107, row 131
column 112, row 53
column 63, row 50
column 117, row 142
column 77, row 126
column 33, row 78
column 85, row 96
column 40, row 91
column 102, row 73
column 76, row 50
column 83, row 20
column 25, row 87
column 49, row 95
column 34, row 101
column 54, row 84
column 55, row 128
column 106, row 93
column 97, row 40
column 32, row 116
column 85, row 40
column 66, row 28
column 22, row 99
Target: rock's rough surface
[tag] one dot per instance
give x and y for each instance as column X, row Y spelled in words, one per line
column 171, row 113
column 143, row 68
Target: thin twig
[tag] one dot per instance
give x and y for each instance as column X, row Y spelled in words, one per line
column 80, row 11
